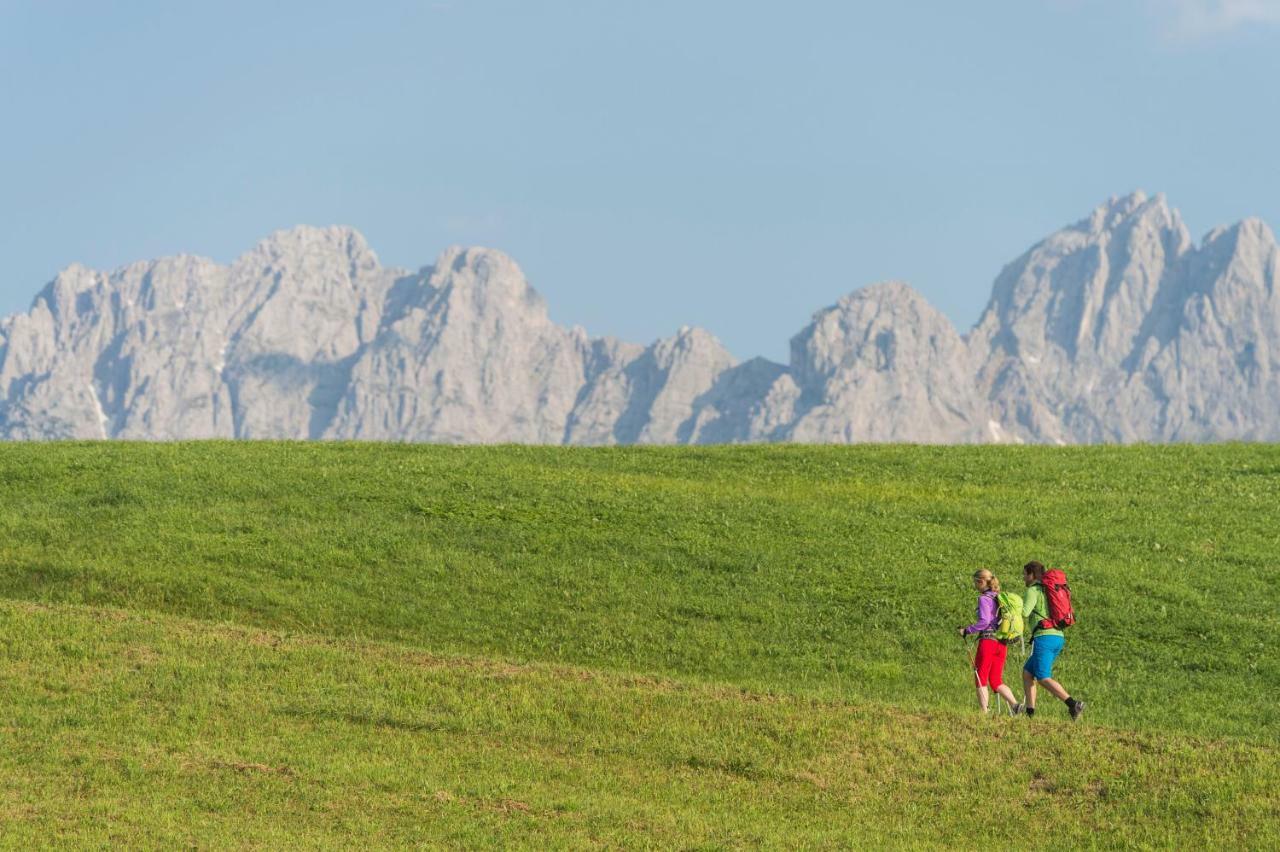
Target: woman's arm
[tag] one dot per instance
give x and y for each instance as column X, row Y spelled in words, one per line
column 986, row 612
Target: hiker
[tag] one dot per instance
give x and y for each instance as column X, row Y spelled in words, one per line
column 1046, row 640
column 988, row 665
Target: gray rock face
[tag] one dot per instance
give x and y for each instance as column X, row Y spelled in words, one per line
column 1065, row 316
column 1207, row 366
column 184, row 348
column 469, row 356
column 882, row 365
column 106, row 356
column 1117, row 328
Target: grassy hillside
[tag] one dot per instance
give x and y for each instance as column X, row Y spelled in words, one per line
column 726, row 646
column 831, row 571
column 126, row 729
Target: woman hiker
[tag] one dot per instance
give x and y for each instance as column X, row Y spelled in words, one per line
column 988, row 665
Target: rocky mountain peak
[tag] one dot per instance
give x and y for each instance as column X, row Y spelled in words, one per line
column 693, row 339
column 1243, row 258
column 1116, row 328
column 865, row 326
column 486, row 279
column 1120, row 211
column 1081, row 294
column 302, row 241
column 881, row 362
column 1249, row 237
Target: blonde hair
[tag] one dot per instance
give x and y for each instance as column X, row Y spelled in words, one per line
column 992, row 581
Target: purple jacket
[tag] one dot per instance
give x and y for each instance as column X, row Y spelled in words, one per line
column 988, row 614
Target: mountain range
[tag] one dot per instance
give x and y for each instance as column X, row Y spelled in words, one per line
column 1118, row 328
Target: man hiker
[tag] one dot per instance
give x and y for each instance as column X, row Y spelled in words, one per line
column 1046, row 643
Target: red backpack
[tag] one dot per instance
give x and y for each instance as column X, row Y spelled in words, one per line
column 1057, row 595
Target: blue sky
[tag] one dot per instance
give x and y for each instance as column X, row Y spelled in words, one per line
column 735, row 165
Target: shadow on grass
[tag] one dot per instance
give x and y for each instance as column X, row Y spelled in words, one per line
column 372, row 720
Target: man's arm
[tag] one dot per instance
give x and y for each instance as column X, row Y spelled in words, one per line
column 1030, row 601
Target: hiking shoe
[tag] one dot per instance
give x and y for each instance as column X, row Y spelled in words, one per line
column 1016, row 710
column 1077, row 710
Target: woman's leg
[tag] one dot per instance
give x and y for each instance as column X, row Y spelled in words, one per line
column 995, row 673
column 982, row 672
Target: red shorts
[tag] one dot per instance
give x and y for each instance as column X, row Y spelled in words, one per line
column 989, row 664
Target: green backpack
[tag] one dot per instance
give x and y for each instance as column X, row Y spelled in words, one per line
column 1010, row 625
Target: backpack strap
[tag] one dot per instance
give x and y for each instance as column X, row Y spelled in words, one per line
column 995, row 598
column 1038, row 624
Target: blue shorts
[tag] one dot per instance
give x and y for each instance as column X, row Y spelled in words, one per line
column 1044, row 650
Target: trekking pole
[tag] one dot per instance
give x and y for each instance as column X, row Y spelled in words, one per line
column 973, row 664
column 1022, row 641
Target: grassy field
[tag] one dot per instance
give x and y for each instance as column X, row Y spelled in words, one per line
column 127, row 729
column 286, row 644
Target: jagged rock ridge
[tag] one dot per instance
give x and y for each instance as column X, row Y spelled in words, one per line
column 1117, row 328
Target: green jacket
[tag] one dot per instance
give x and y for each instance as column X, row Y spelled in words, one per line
column 1035, row 608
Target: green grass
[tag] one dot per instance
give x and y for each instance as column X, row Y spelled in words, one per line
column 723, row 647
column 124, row 729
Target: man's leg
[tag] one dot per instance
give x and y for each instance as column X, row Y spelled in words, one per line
column 1055, row 688
column 1074, row 707
column 1044, row 674
column 1029, row 690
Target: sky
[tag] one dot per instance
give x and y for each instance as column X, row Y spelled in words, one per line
column 650, row 164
